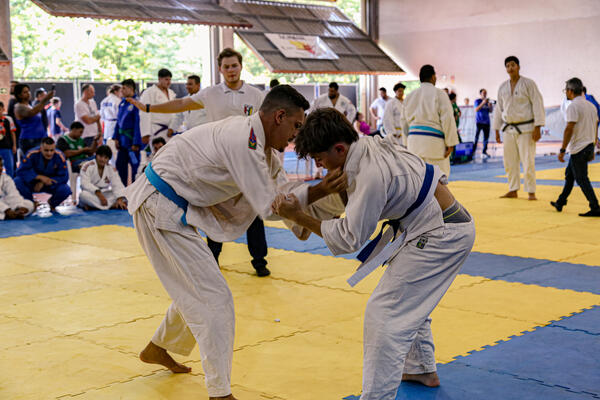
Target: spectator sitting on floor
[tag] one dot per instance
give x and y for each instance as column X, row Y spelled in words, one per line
column 44, row 170
column 157, row 143
column 101, row 186
column 74, row 148
column 12, row 204
column 55, row 124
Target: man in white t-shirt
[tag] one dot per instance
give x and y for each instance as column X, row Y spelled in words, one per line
column 86, row 112
column 229, row 98
column 189, row 119
column 581, row 135
column 154, row 125
column 377, row 108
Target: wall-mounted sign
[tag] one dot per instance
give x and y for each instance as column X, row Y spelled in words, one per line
column 301, row 46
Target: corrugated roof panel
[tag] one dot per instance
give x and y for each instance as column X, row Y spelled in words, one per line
column 365, row 47
column 346, row 31
column 260, row 42
column 313, row 28
column 201, row 12
column 338, row 46
column 280, row 25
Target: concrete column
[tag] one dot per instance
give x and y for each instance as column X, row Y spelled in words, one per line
column 215, row 76
column 6, row 71
column 226, row 38
column 371, row 19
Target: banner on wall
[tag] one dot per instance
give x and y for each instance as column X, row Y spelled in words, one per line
column 301, row 46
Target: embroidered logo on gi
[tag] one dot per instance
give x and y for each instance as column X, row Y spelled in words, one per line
column 130, row 108
column 248, row 109
column 252, row 140
column 422, row 242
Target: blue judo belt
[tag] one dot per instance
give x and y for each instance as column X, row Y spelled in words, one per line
column 369, row 263
column 425, row 131
column 166, row 190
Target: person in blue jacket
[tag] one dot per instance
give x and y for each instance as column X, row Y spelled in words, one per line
column 127, row 133
column 44, row 169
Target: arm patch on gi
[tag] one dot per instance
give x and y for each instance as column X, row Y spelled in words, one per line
column 252, row 140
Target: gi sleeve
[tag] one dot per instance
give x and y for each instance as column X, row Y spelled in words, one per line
column 200, row 97
column 366, row 199
column 498, row 110
column 177, row 122
column 86, row 177
column 145, row 123
column 26, row 169
column 537, row 104
column 351, row 111
column 389, row 125
column 6, row 192
column 62, row 172
column 447, row 120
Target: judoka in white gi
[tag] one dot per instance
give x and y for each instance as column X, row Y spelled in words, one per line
column 109, row 109
column 519, row 114
column 432, row 131
column 12, row 204
column 153, row 125
column 394, row 122
column 386, row 181
column 216, row 177
column 101, row 186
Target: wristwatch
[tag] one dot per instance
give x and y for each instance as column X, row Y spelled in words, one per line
column 563, row 150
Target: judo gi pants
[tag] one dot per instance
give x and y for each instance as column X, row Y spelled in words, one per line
column 577, row 171
column 59, row 191
column 91, row 200
column 122, row 164
column 443, row 163
column 257, row 244
column 519, row 148
column 397, row 330
column 14, row 204
column 202, row 309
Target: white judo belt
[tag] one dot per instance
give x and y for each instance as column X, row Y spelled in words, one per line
column 380, row 250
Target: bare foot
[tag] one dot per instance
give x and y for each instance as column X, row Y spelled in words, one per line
column 429, row 379
column 153, row 354
column 230, row 397
column 509, row 195
column 532, row 196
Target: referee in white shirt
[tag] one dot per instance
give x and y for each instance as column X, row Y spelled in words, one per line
column 229, row 98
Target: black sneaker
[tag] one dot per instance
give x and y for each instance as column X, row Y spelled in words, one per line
column 592, row 213
column 557, row 206
column 262, row 271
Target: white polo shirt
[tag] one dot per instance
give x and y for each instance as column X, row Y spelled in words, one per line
column 585, row 116
column 221, row 102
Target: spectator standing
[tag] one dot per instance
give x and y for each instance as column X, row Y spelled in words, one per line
column 483, row 109
column 74, row 148
column 8, row 142
column 86, row 112
column 191, row 118
column 377, row 108
column 127, row 134
column 394, row 123
column 44, row 170
column 519, row 114
column 432, row 131
column 55, row 124
column 152, row 124
column 581, row 135
column 101, row 186
column 455, row 109
column 29, row 118
column 39, row 97
column 335, row 99
column 109, row 108
column 12, row 204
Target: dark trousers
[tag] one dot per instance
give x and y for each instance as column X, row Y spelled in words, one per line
column 27, row 144
column 577, row 171
column 123, row 161
column 257, row 244
column 486, row 137
column 59, row 191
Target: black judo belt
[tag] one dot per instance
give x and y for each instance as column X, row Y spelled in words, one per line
column 516, row 125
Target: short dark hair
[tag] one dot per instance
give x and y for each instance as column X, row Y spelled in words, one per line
column 195, row 78
column 382, row 89
column 334, row 85
column 104, row 150
column 481, row 90
column 159, row 139
column 19, row 87
column 164, row 73
column 39, row 91
column 1, row 105
column 129, row 83
column 399, row 85
column 228, row 52
column 584, row 90
column 426, row 73
column 452, row 96
column 575, row 85
column 286, row 97
column 85, row 87
column 47, row 140
column 273, row 83
column 323, row 128
column 511, row 58
column 76, row 125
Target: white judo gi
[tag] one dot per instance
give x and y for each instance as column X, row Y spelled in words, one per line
column 222, row 171
column 432, row 127
column 524, row 104
column 189, row 119
column 394, row 123
column 109, row 184
column 384, row 180
column 109, row 110
column 10, row 198
column 343, row 105
column 155, row 124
